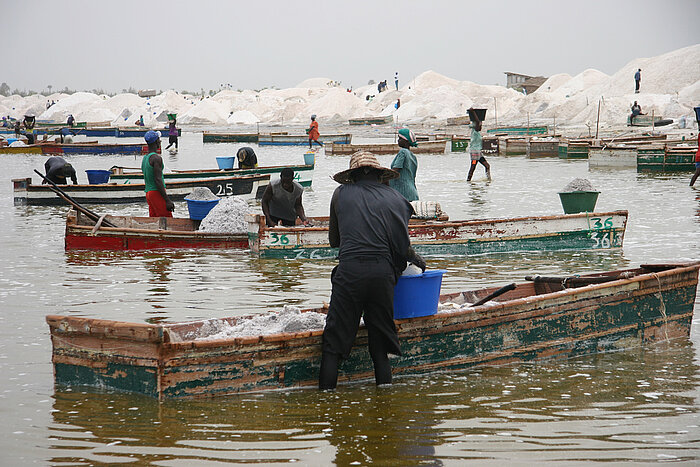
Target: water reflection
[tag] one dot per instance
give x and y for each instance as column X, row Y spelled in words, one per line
column 630, row 406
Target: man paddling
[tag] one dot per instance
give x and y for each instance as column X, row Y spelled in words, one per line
column 59, row 171
column 369, row 225
column 281, row 201
column 159, row 205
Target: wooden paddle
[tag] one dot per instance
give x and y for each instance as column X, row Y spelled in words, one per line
column 79, row 207
column 495, row 294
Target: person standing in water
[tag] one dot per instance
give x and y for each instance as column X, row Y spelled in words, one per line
column 159, row 205
column 697, row 163
column 247, row 158
column 406, row 164
column 313, row 132
column 475, row 146
column 172, row 134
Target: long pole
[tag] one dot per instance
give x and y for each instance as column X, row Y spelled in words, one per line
column 597, row 120
column 67, row 198
column 495, row 111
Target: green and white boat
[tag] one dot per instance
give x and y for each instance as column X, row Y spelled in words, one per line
column 303, row 174
column 582, row 231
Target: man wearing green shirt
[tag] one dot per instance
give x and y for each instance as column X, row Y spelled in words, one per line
column 406, row 164
column 159, row 205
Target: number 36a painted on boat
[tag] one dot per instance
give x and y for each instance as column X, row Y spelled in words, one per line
column 604, row 239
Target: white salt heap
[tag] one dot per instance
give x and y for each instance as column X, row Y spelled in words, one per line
column 228, row 216
column 290, row 319
column 670, row 88
column 578, row 184
column 202, row 193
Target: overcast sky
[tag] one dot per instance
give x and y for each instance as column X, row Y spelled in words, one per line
column 254, row 44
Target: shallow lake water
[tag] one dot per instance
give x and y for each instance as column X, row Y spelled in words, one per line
column 638, row 405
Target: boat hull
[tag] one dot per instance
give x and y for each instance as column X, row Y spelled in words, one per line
column 248, row 187
column 145, row 233
column 140, row 132
column 371, row 120
column 665, row 159
column 519, row 130
column 301, row 140
column 229, row 137
column 303, row 174
column 428, row 147
column 584, row 231
column 531, row 322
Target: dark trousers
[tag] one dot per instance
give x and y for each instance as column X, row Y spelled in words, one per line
column 636, row 85
column 361, row 288
column 172, row 139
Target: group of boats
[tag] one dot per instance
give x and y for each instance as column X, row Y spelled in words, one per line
column 539, row 318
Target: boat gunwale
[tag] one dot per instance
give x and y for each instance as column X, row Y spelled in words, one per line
column 163, row 330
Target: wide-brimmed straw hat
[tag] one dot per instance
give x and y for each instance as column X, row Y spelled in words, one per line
column 364, row 159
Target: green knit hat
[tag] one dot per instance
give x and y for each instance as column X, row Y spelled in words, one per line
column 406, row 134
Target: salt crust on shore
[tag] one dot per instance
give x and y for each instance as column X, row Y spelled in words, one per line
column 670, row 87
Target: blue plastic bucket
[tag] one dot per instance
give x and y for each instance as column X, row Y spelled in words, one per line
column 225, row 163
column 11, row 140
column 199, row 209
column 417, row 295
column 97, row 177
column 309, row 158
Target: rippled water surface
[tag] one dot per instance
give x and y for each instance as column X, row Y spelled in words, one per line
column 639, row 405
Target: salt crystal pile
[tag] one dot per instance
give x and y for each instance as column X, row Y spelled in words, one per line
column 290, row 319
column 228, row 216
column 578, row 184
column 202, row 193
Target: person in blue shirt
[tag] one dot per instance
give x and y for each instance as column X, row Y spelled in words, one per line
column 406, row 164
column 637, row 79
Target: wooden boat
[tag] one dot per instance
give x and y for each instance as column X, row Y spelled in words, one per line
column 662, row 158
column 28, row 149
column 513, row 145
column 648, row 120
column 90, row 147
column 300, row 140
column 519, row 130
column 303, row 174
column 615, row 156
column 372, row 120
column 58, row 125
column 246, row 186
column 212, row 137
column 461, row 120
column 542, row 147
column 573, row 150
column 139, row 132
column 489, row 144
column 144, row 233
column 583, row 231
column 544, row 318
column 427, row 147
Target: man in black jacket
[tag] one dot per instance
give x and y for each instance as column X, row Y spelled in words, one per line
column 369, row 224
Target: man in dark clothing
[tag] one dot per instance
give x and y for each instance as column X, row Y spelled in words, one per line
column 58, row 171
column 281, row 201
column 71, row 120
column 637, row 79
column 369, row 224
column 247, row 158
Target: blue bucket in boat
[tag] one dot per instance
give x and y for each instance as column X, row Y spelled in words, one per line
column 417, row 295
column 225, row 163
column 309, row 158
column 11, row 140
column 97, row 177
column 199, row 209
